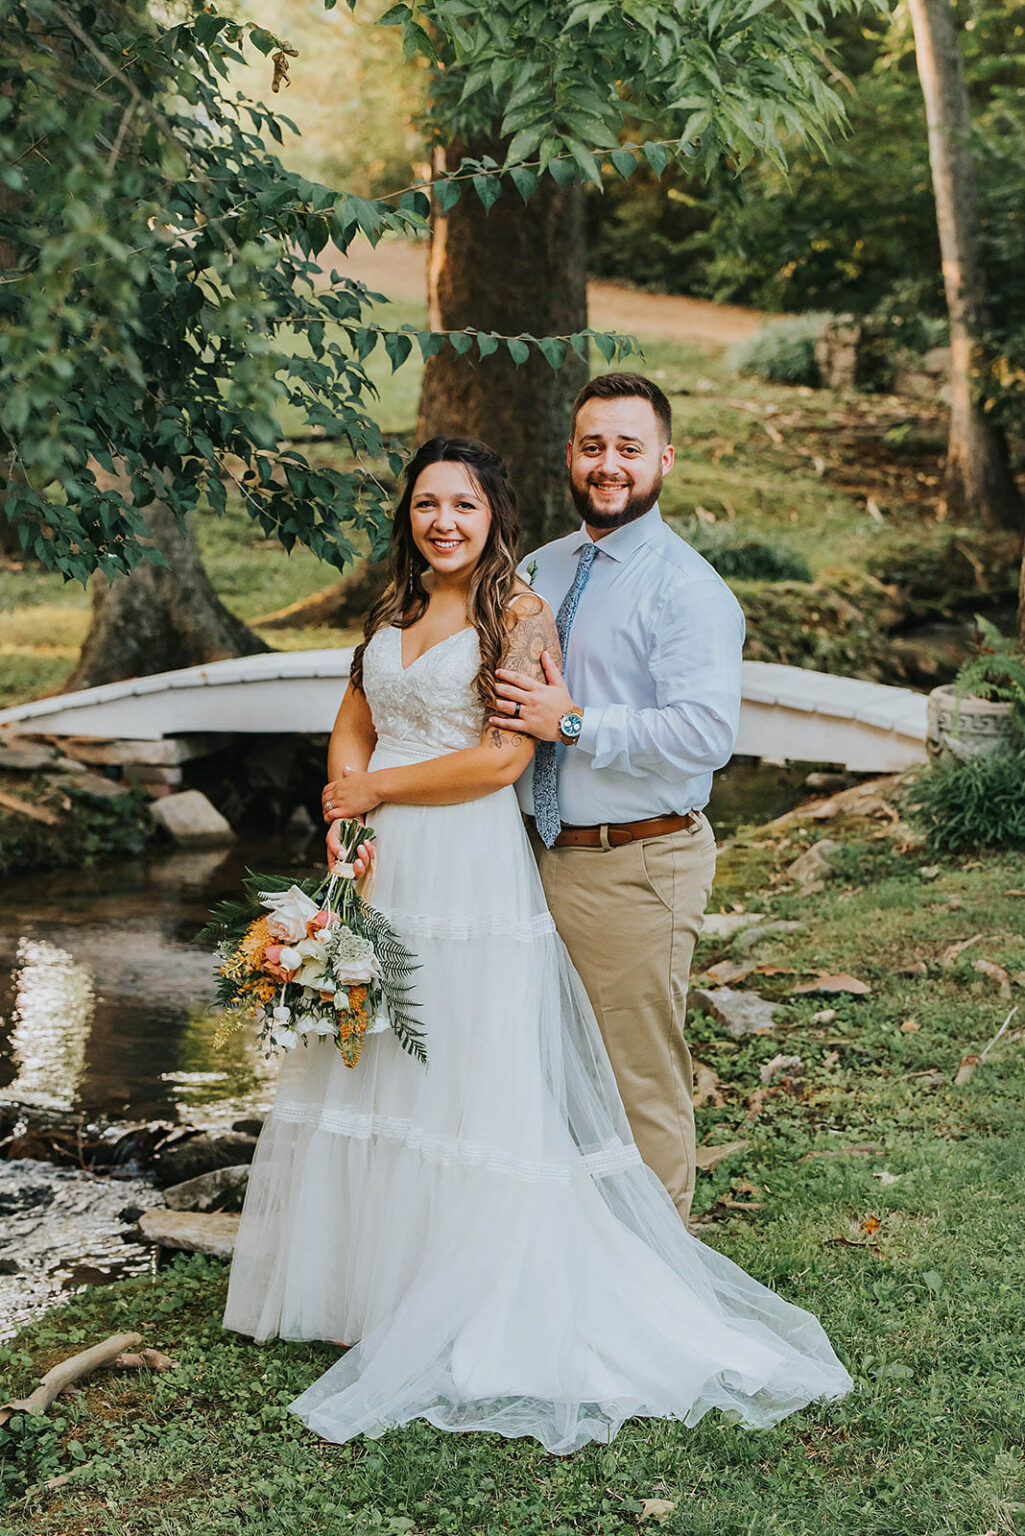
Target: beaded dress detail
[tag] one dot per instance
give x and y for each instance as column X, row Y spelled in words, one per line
column 483, row 1230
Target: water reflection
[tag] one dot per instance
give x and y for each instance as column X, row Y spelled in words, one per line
column 53, row 1009
column 107, row 1007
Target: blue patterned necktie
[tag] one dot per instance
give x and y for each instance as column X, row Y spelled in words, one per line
column 546, row 777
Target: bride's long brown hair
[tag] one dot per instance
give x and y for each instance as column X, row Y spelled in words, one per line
column 405, row 598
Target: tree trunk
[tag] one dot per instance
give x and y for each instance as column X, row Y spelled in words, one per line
column 978, row 482
column 159, row 618
column 519, row 268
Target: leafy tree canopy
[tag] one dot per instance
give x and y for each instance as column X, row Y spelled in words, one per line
column 161, row 297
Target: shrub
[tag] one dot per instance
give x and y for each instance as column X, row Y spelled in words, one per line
column 975, row 804
column 741, row 556
column 782, row 352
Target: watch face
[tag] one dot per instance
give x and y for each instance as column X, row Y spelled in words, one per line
column 571, row 725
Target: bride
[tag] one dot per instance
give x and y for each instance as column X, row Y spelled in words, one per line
column 482, row 1231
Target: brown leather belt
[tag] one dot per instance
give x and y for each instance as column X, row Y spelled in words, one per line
column 625, row 832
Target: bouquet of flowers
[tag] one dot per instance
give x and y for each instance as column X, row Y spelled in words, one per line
column 312, row 960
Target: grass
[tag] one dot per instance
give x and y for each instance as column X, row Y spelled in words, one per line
column 918, row 1278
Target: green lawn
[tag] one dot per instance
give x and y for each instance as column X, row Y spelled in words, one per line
column 919, row 1277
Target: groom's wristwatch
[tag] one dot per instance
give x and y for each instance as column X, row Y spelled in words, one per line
column 570, row 726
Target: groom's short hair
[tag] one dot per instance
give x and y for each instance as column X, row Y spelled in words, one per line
column 625, row 386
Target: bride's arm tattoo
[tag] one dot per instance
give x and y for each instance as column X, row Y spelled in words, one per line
column 533, row 632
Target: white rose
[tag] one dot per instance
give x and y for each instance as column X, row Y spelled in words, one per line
column 286, row 1038
column 281, row 1014
column 288, row 912
column 323, row 1027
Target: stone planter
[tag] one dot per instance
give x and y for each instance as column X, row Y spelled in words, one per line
column 972, row 728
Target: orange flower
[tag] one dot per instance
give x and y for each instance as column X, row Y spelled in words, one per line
column 261, row 989
column 254, row 942
column 322, row 919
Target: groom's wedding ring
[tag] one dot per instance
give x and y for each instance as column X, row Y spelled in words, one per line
column 516, row 712
column 328, row 805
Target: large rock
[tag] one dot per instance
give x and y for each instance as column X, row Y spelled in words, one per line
column 190, row 819
column 222, row 1189
column 26, row 759
column 743, row 1013
column 812, row 869
column 752, row 936
column 186, row 1160
column 190, row 1232
column 723, row 925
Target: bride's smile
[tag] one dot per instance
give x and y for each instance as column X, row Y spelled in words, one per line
column 449, row 520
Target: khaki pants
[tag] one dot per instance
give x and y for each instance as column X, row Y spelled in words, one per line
column 630, row 918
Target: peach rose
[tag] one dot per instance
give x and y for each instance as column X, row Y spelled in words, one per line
column 322, row 919
column 272, row 962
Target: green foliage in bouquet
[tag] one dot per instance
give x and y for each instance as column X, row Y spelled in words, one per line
column 963, row 806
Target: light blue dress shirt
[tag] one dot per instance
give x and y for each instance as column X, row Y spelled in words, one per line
column 654, row 662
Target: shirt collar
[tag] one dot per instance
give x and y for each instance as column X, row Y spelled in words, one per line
column 621, row 543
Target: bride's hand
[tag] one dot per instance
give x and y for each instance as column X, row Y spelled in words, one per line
column 351, row 795
column 363, row 862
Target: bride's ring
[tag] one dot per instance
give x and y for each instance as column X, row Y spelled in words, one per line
column 328, row 806
column 516, row 711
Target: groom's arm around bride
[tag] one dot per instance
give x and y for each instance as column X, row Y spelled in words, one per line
column 647, row 706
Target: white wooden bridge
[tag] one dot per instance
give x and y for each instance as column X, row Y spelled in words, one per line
column 788, row 712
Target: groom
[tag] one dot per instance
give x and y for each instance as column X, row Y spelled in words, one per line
column 629, row 733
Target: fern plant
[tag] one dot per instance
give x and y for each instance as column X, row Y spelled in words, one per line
column 996, row 672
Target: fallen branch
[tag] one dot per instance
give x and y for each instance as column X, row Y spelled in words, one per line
column 61, row 1376
column 146, row 1359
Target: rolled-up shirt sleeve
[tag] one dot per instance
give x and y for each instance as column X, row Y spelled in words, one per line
column 695, row 666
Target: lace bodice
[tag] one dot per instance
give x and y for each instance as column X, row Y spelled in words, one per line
column 431, row 706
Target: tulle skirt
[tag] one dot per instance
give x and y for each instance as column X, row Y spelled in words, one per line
column 482, row 1231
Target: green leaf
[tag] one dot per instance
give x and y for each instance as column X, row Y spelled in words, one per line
column 460, row 342
column 553, row 351
column 525, row 142
column 563, row 172
column 656, row 155
column 262, row 39
column 398, row 346
column 394, row 17
column 606, row 345
column 486, row 343
column 446, row 193
column 524, row 180
column 430, row 342
column 586, row 161
column 518, row 350
column 488, row 190
column 624, row 161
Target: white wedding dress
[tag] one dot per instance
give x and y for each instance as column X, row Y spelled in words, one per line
column 483, row 1229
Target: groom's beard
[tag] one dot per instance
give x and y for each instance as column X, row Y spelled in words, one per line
column 640, row 499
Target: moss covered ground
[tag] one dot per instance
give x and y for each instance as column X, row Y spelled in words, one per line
column 872, row 1186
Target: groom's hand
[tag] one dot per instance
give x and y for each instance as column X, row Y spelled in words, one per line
column 541, row 704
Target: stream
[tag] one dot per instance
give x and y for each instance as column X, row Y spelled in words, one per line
column 106, row 1011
